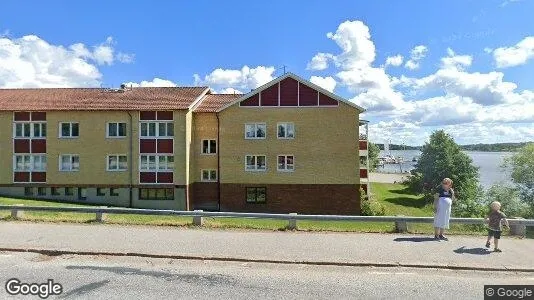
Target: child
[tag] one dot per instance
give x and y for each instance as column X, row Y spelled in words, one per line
column 495, row 220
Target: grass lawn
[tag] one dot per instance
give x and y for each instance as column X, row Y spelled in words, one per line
column 395, row 198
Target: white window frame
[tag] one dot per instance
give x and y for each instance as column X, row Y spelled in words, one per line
column 116, row 136
column 285, row 125
column 286, row 169
column 256, row 169
column 31, row 162
column 32, row 126
column 209, row 179
column 256, row 124
column 156, row 164
column 60, row 133
column 202, row 147
column 71, row 169
column 117, row 157
column 157, row 131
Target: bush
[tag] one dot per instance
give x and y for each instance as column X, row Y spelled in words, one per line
column 371, row 207
column 510, row 200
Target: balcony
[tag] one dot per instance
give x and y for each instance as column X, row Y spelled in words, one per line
column 363, row 145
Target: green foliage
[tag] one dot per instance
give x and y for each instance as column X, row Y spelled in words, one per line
column 370, row 207
column 522, row 166
column 374, row 151
column 441, row 157
column 399, row 147
column 499, row 147
column 509, row 197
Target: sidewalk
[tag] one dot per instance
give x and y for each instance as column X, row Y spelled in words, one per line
column 316, row 248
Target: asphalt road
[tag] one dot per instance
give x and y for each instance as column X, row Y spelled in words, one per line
column 90, row 277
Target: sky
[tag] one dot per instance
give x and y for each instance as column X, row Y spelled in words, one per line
column 464, row 66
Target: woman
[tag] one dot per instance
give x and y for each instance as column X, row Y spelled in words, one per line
column 442, row 208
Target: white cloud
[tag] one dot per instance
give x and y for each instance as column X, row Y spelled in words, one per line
column 319, row 62
column 328, row 83
column 246, row 78
column 156, row 82
column 30, row 61
column 418, row 52
column 515, row 55
column 229, row 91
column 125, row 58
column 394, row 60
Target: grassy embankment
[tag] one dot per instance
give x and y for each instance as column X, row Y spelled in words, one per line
column 395, row 198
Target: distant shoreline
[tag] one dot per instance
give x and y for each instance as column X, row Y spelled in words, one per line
column 498, row 147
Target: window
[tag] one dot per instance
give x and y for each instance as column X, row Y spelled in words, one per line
column 255, row 163
column 69, row 130
column 156, row 194
column 286, row 163
column 113, row 192
column 22, row 130
column 256, row 194
column 117, row 163
column 255, row 131
column 116, row 130
column 209, row 175
column 39, row 130
column 41, row 191
column 69, row 162
column 100, row 192
column 69, row 191
column 209, row 146
column 157, row 129
column 28, row 191
column 26, row 130
column 29, row 162
column 286, row 130
column 157, row 162
column 54, row 191
column 82, row 193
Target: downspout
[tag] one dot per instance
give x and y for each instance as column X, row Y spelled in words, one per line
column 130, row 161
column 218, row 164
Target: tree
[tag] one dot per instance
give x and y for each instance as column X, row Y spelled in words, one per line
column 374, row 151
column 441, row 157
column 509, row 197
column 522, row 166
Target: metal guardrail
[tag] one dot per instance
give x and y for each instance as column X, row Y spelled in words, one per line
column 400, row 221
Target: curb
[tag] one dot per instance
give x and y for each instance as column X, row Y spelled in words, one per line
column 55, row 252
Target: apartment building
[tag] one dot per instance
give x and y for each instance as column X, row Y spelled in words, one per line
column 287, row 146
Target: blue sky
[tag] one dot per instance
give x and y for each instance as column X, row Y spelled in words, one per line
column 463, row 66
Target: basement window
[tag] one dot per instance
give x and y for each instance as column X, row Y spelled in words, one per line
column 256, row 194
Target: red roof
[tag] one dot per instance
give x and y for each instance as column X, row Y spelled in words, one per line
column 213, row 102
column 142, row 98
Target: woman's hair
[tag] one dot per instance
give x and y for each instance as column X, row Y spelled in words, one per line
column 495, row 205
column 447, row 181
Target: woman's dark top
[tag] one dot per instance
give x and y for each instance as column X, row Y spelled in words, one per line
column 443, row 193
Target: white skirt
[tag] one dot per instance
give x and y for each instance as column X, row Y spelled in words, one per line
column 443, row 213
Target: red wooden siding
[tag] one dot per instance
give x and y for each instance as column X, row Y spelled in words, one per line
column 363, row 173
column 148, row 115
column 289, row 92
column 38, row 146
column 38, row 116
column 147, row 177
column 165, row 146
column 38, row 176
column 269, row 96
column 22, row 116
column 165, row 177
column 363, row 145
column 165, row 115
column 147, row 146
column 22, row 146
column 254, row 100
column 307, row 96
column 22, row 177
column 325, row 100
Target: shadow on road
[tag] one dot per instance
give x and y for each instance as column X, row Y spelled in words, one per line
column 476, row 251
column 415, row 239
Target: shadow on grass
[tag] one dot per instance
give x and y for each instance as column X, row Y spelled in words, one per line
column 407, row 201
column 403, row 191
column 415, row 239
column 475, row 251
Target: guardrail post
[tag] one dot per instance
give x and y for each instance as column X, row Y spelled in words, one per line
column 401, row 226
column 17, row 214
column 518, row 229
column 292, row 222
column 198, row 220
column 100, row 216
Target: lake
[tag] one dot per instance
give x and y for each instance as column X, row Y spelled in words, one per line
column 489, row 164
